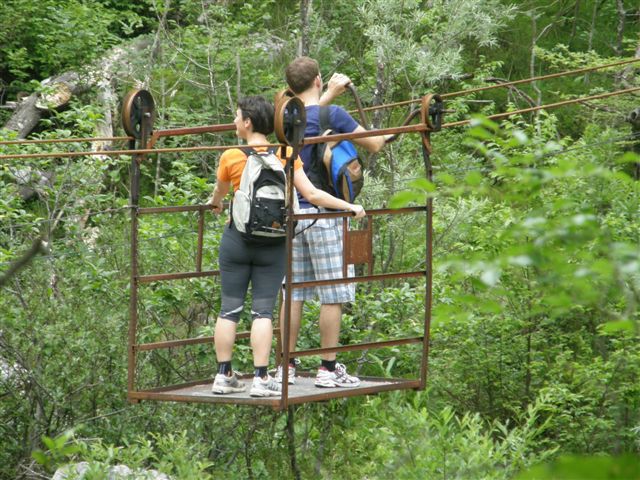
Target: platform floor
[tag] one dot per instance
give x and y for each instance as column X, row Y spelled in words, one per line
column 303, row 391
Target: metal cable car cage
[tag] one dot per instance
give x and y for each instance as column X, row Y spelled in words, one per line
column 138, row 113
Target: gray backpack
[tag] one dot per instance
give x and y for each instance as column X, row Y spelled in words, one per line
column 259, row 209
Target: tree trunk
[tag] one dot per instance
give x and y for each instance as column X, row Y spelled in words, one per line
column 63, row 87
column 29, row 112
column 574, row 26
column 592, row 30
column 305, row 7
column 626, row 76
column 378, row 99
column 620, row 29
column 378, row 95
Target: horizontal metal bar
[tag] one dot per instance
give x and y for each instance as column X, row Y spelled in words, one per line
column 189, row 341
column 420, row 127
column 169, row 397
column 337, row 214
column 365, row 278
column 180, row 343
column 370, row 213
column 360, row 346
column 330, row 394
column 138, row 152
column 176, row 276
column 167, row 393
column 174, row 209
column 64, row 140
column 224, row 127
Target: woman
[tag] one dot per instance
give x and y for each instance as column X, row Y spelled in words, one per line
column 242, row 261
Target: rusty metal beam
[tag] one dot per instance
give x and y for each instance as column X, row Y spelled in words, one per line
column 364, row 278
column 359, row 346
column 176, row 276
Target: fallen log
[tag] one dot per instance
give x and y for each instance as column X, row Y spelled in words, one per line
column 30, row 110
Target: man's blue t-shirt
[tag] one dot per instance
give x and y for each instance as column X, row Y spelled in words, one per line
column 340, row 121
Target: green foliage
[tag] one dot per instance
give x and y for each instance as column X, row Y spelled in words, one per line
column 50, row 37
column 423, row 45
column 585, row 468
column 534, row 349
column 549, row 287
column 57, row 450
column 172, row 454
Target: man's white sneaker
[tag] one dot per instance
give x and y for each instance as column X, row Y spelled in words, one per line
column 291, row 377
column 265, row 388
column 225, row 384
column 337, row 378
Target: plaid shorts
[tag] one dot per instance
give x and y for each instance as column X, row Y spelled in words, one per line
column 317, row 255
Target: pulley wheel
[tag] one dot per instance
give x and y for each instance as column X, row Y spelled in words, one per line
column 290, row 120
column 282, row 95
column 432, row 111
column 135, row 105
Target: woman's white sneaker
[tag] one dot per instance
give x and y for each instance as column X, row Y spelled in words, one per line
column 337, row 378
column 224, row 384
column 291, row 375
column 265, row 388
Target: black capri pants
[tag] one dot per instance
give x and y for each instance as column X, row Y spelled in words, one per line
column 241, row 262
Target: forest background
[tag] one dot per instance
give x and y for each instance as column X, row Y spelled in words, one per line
column 534, row 357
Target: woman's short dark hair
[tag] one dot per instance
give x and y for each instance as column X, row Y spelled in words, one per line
column 260, row 111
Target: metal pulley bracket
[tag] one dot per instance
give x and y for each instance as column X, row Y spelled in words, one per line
column 431, row 112
column 290, row 120
column 138, row 106
column 282, row 95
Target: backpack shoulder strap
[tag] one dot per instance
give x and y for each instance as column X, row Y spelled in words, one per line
column 248, row 151
column 325, row 120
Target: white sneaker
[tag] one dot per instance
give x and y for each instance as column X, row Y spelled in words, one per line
column 265, row 388
column 225, row 384
column 291, row 377
column 337, row 378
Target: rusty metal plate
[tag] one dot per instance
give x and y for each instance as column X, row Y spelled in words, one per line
column 304, row 391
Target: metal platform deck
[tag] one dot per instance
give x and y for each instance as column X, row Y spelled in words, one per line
column 303, row 391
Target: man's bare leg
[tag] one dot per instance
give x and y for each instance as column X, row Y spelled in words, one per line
column 330, row 319
column 294, row 325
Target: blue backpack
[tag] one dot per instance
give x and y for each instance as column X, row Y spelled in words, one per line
column 335, row 166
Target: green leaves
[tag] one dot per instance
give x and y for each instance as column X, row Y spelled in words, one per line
column 622, row 467
column 57, row 451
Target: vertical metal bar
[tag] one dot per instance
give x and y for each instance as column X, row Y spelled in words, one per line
column 286, row 324
column 146, row 125
column 426, row 156
column 133, row 297
column 370, row 244
column 200, row 241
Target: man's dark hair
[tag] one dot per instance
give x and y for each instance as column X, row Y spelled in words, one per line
column 301, row 73
column 259, row 111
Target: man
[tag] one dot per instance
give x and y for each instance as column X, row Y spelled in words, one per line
column 318, row 249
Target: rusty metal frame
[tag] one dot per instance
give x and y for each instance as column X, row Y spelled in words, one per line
column 143, row 138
